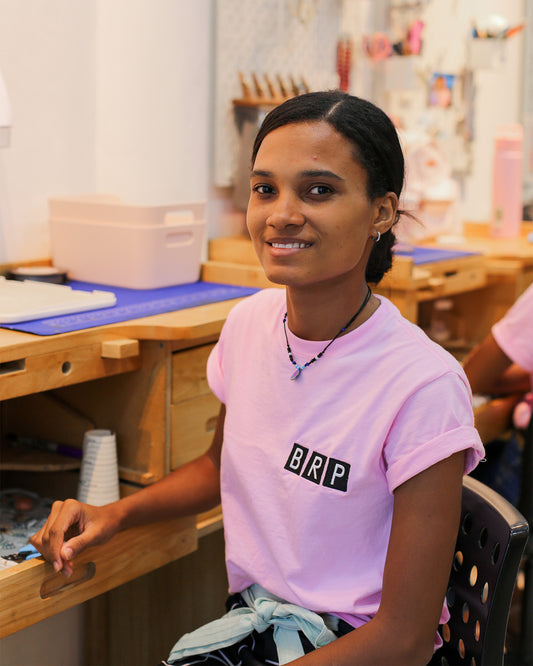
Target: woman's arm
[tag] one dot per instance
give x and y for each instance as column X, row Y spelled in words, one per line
column 425, row 521
column 493, row 418
column 490, row 371
column 73, row 526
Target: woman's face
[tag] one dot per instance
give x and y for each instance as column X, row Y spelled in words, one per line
column 309, row 216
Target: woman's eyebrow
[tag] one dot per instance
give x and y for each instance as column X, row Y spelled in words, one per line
column 321, row 173
column 311, row 173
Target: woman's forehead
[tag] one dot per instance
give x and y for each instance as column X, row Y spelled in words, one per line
column 306, row 142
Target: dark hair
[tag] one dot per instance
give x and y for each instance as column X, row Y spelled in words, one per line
column 375, row 143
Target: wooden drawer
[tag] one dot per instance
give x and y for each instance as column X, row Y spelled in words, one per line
column 32, row 591
column 40, row 372
column 437, row 278
column 193, row 424
column 194, row 409
column 189, row 378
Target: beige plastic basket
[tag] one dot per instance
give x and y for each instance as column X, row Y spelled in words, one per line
column 102, row 240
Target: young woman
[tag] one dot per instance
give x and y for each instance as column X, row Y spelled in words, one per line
column 344, row 431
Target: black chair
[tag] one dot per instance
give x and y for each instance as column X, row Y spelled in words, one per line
column 525, row 505
column 490, row 542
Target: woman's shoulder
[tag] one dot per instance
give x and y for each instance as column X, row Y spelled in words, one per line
column 264, row 300
column 410, row 343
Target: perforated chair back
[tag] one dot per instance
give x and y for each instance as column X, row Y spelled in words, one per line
column 525, row 505
column 490, row 542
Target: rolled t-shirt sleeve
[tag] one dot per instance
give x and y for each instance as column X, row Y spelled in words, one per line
column 434, row 422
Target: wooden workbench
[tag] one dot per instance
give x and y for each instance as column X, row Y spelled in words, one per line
column 509, row 271
column 145, row 380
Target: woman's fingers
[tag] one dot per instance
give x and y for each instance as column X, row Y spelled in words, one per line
column 70, row 528
column 50, row 538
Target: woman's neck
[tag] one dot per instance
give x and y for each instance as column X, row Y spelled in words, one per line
column 320, row 316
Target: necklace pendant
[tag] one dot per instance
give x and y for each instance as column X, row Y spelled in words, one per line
column 296, row 373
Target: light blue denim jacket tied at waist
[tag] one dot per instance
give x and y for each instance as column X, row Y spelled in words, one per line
column 262, row 611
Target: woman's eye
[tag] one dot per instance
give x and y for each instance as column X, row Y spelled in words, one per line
column 320, row 190
column 263, row 189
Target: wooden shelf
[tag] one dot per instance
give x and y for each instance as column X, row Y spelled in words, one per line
column 26, row 459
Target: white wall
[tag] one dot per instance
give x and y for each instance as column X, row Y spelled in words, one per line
column 47, row 60
column 106, row 97
column 153, row 99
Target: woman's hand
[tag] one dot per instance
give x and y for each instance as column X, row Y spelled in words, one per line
column 71, row 527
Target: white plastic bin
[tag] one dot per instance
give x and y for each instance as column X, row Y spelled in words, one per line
column 102, row 240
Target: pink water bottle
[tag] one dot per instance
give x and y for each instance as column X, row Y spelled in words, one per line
column 507, row 204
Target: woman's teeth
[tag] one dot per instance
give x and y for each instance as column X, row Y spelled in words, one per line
column 289, row 246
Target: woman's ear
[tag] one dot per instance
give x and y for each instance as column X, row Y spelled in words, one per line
column 387, row 207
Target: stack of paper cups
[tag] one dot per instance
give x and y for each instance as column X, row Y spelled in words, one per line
column 98, row 484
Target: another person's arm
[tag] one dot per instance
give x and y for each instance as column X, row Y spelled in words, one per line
column 73, row 526
column 490, row 371
column 494, row 418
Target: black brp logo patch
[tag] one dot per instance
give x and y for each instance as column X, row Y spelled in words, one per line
column 318, row 468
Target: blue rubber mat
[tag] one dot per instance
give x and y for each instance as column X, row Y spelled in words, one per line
column 426, row 255
column 133, row 304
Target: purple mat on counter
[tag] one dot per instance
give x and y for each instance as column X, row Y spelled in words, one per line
column 425, row 255
column 133, row 304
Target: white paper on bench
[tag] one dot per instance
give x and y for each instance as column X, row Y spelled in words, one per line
column 24, row 300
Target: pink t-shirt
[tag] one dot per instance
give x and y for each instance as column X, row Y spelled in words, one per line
column 514, row 332
column 309, row 466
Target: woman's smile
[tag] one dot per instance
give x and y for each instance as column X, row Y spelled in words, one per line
column 290, row 246
column 286, row 247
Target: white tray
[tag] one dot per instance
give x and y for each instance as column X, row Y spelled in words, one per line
column 24, row 300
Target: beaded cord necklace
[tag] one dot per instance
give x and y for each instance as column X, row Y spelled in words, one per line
column 298, row 367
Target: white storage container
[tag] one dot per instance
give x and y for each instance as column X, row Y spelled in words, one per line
column 102, row 240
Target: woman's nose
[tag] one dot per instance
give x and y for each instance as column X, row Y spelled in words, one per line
column 285, row 212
